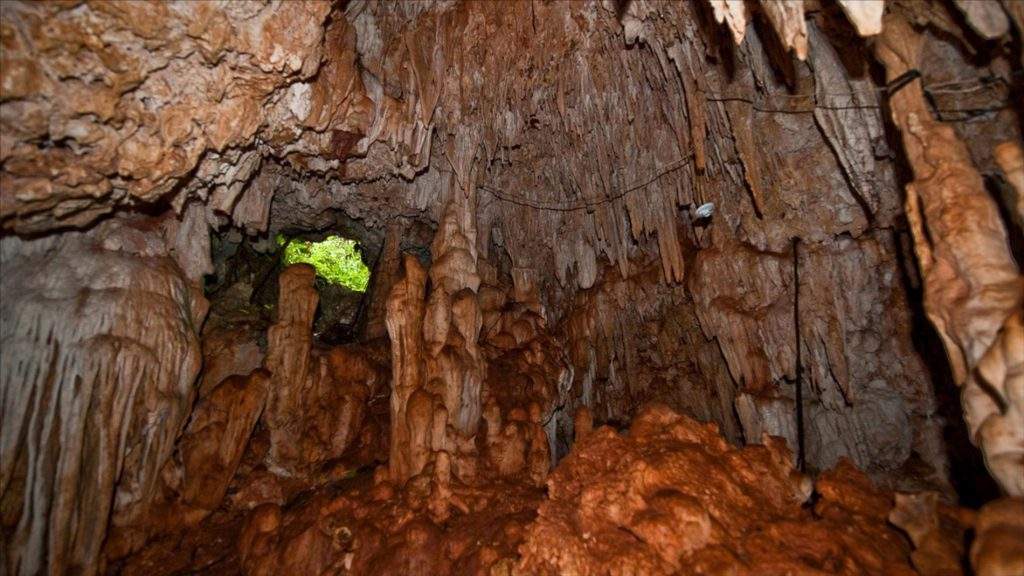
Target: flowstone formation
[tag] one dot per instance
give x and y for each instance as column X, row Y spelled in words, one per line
column 673, row 497
column 633, row 287
column 100, row 353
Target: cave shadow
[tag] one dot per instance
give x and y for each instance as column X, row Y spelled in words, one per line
column 967, row 472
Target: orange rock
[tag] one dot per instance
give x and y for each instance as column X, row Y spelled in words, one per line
column 672, row 497
column 998, row 548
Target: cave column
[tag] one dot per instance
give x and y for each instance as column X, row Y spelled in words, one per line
column 454, row 364
column 972, row 287
column 438, row 366
column 289, row 342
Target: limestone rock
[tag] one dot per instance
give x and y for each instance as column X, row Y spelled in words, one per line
column 317, row 397
column 216, row 436
column 974, row 291
column 999, row 533
column 100, row 354
column 673, row 497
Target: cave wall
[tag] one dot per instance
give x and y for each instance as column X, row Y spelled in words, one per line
column 101, row 354
column 612, row 200
column 725, row 352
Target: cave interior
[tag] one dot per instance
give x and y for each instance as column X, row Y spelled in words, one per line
column 536, row 287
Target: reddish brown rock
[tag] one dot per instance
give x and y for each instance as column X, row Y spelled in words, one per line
column 673, row 497
column 179, row 93
column 365, row 528
column 998, row 548
column 936, row 529
column 217, row 434
column 317, row 397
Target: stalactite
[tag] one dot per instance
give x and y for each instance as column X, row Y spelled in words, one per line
column 987, row 18
column 972, row 287
column 100, row 354
column 581, row 213
column 787, row 17
column 866, row 15
column 733, row 13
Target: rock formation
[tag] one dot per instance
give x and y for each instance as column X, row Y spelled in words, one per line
column 100, row 356
column 974, row 293
column 778, row 241
column 673, row 497
column 317, row 398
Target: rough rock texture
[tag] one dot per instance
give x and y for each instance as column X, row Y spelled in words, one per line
column 100, row 354
column 1010, row 157
column 573, row 209
column 228, row 350
column 974, row 293
column 866, row 396
column 998, row 547
column 936, row 531
column 410, row 427
column 364, row 528
column 317, row 397
column 107, row 104
column 212, row 445
column 207, row 455
column 672, row 497
column 438, row 368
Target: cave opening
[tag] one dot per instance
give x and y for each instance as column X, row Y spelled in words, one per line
column 342, row 279
column 518, row 288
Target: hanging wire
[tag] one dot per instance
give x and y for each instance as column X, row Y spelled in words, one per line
column 950, row 87
column 529, row 203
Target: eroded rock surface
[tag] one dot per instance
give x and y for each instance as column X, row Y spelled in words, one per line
column 974, row 292
column 572, row 209
column 124, row 101
column 673, row 497
column 362, row 527
column 317, row 397
column 100, row 357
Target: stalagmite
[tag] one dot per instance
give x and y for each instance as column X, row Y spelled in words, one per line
column 316, row 400
column 289, row 362
column 405, row 313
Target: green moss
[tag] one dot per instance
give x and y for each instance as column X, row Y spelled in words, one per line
column 335, row 258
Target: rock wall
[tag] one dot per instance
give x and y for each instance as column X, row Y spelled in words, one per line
column 725, row 351
column 100, row 355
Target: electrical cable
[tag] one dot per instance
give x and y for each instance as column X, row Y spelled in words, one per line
column 890, row 89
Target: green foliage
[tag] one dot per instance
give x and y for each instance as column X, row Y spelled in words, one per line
column 335, row 258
